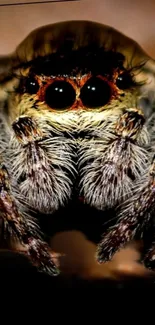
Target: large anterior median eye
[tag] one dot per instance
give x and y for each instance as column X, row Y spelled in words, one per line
column 95, row 93
column 60, row 95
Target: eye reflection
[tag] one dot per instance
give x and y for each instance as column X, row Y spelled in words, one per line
column 95, row 93
column 124, row 81
column 31, row 85
column 60, row 95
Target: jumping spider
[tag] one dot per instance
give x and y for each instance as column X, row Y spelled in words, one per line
column 77, row 121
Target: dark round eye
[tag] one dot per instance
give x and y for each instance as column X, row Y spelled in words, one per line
column 124, row 80
column 31, row 86
column 95, row 93
column 60, row 95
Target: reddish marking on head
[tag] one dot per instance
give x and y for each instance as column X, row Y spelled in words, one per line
column 77, row 105
column 77, row 84
column 114, row 89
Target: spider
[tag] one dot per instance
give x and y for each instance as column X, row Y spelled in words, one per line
column 77, row 123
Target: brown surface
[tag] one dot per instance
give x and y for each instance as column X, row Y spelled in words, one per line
column 135, row 18
column 78, row 258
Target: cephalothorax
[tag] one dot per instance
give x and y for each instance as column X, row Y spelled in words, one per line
column 77, row 119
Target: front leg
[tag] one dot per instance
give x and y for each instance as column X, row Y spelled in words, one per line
column 134, row 216
column 111, row 161
column 149, row 257
column 22, row 228
column 41, row 163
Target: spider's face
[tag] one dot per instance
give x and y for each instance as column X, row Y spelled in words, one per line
column 75, row 83
column 75, row 67
column 71, row 83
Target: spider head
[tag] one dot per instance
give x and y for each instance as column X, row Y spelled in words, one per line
column 75, row 66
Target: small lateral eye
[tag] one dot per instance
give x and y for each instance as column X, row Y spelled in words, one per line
column 31, row 85
column 60, row 95
column 96, row 92
column 124, row 80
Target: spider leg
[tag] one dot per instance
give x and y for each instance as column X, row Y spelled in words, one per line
column 133, row 216
column 148, row 252
column 149, row 257
column 117, row 156
column 22, row 228
column 37, row 154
